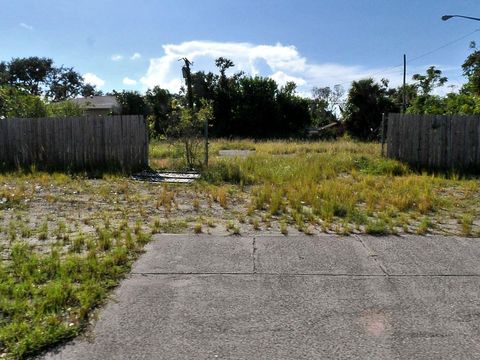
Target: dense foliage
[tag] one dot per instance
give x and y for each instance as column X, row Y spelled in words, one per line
column 40, row 77
column 241, row 105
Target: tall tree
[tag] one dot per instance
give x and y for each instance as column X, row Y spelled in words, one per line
column 432, row 79
column 64, row 83
column 30, row 74
column 132, row 102
column 223, row 64
column 159, row 103
column 39, row 77
column 293, row 114
column 425, row 102
column 366, row 102
column 256, row 113
column 325, row 104
column 471, row 69
column 90, row 90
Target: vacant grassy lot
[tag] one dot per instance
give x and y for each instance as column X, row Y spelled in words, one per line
column 66, row 240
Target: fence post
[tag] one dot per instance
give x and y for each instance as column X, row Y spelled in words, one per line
column 382, row 133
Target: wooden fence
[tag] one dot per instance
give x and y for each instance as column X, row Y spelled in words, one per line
column 89, row 142
column 435, row 141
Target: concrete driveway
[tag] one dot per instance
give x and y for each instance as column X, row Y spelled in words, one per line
column 301, row 297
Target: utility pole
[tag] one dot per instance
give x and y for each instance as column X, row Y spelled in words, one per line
column 404, row 95
column 187, row 75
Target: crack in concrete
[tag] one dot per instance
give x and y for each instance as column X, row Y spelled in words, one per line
column 254, row 254
column 372, row 254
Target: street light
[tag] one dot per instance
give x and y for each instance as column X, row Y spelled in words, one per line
column 446, row 17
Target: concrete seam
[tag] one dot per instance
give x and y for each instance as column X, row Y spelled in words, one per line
column 372, row 254
column 254, row 254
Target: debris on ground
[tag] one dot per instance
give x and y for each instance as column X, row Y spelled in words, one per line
column 167, row 176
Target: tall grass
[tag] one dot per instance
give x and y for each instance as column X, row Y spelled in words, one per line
column 343, row 180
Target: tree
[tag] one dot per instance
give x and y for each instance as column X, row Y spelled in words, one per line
column 64, row 83
column 30, row 74
column 325, row 103
column 187, row 126
column 471, row 69
column 132, row 102
column 424, row 102
column 64, row 109
column 18, row 103
column 432, row 79
column 159, row 102
column 204, row 85
column 38, row 76
column 90, row 90
column 366, row 102
column 4, row 75
column 225, row 96
column 256, row 111
column 293, row 114
column 223, row 64
column 461, row 104
column 396, row 95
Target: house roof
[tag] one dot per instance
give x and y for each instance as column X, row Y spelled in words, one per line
column 97, row 102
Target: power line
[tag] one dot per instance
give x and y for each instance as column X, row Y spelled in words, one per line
column 392, row 69
column 444, row 46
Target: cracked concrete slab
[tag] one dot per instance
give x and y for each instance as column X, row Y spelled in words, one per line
column 327, row 254
column 285, row 317
column 206, row 297
column 431, row 255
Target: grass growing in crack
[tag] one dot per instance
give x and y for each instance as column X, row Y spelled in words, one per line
column 377, row 227
column 284, row 228
column 197, row 228
column 256, row 224
column 466, row 223
column 172, row 226
column 231, row 227
column 424, row 226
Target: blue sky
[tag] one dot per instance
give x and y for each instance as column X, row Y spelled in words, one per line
column 135, row 44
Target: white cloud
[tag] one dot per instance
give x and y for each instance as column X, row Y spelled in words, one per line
column 281, row 78
column 128, row 81
column 117, row 57
column 135, row 56
column 281, row 63
column 93, row 79
column 26, row 26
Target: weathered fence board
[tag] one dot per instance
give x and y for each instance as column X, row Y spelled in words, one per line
column 75, row 142
column 435, row 141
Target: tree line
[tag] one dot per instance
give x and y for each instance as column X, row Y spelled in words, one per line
column 241, row 105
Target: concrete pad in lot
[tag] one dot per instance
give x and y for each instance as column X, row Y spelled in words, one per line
column 324, row 254
column 197, row 254
column 275, row 297
column 286, row 317
column 431, row 255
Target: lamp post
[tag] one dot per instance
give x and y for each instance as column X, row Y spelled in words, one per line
column 446, row 17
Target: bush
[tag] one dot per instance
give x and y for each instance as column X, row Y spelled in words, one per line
column 63, row 109
column 16, row 103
